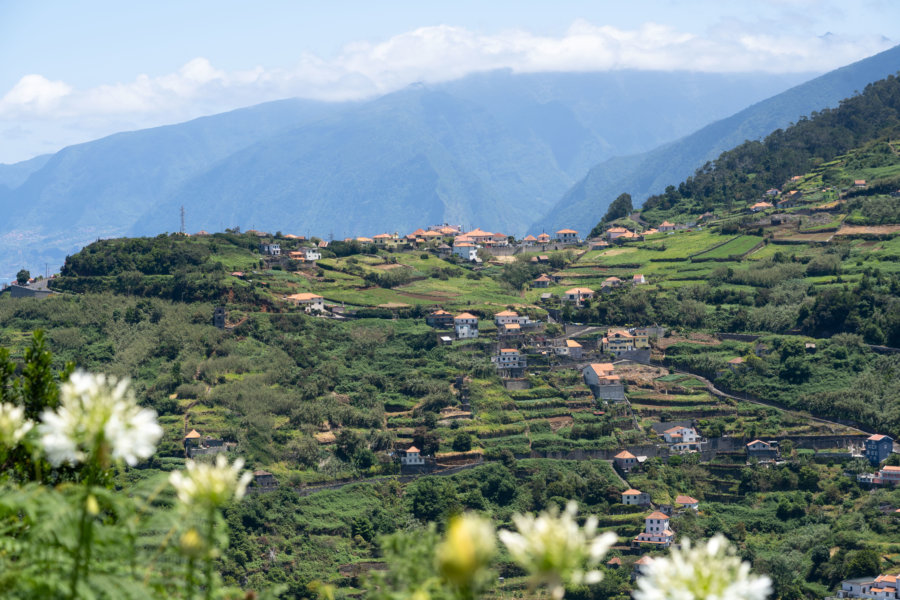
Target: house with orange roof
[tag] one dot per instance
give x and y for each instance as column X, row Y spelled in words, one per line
column 635, row 497
column 760, row 206
column 651, row 231
column 412, row 456
column 570, row 348
column 543, row 238
column 888, row 475
column 466, row 250
column 578, row 295
column 604, row 384
column 510, row 360
column 363, row 240
column 638, row 279
column 688, row 502
column 665, row 226
column 618, row 341
column 542, row 281
column 874, row 587
column 641, row 566
column 479, row 236
column 625, row 461
column 615, row 232
column 878, row 448
column 309, row 301
column 466, row 325
column 499, row 239
column 656, row 531
column 529, row 240
column 762, row 451
column 682, row 439
column 192, row 438
column 567, row 236
column 859, row 183
column 440, row 319
column 610, row 282
column 508, row 317
column 598, row 245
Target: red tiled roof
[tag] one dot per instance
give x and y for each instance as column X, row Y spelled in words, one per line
column 657, row 515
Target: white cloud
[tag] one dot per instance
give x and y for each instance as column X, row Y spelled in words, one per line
column 34, row 93
column 429, row 54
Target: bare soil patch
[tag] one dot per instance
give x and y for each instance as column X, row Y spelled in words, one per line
column 694, row 338
column 388, row 267
column 557, row 423
column 868, row 229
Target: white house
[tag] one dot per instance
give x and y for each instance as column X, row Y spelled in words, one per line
column 656, row 530
column 270, row 249
column 509, row 358
column 578, row 295
column 688, row 502
column 466, row 325
column 681, row 439
column 466, row 250
column 507, row 317
column 567, row 236
column 638, row 279
column 666, row 226
column 308, row 301
column 882, row 586
column 635, row 497
column 595, row 373
column 412, row 456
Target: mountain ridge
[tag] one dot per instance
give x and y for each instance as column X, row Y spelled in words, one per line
column 643, row 174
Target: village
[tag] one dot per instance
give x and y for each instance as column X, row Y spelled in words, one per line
column 560, row 373
column 621, row 367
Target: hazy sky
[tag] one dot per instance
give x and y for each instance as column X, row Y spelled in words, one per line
column 75, row 71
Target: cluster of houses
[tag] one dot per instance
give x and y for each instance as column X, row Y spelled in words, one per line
column 196, row 444
column 877, row 448
column 879, row 587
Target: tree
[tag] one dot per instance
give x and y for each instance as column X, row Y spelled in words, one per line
column 22, row 277
column 462, row 442
column 620, row 207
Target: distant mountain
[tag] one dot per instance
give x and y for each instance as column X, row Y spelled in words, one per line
column 641, row 175
column 12, row 176
column 494, row 150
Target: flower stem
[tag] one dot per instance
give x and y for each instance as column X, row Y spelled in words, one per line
column 210, row 521
column 84, row 524
column 190, row 579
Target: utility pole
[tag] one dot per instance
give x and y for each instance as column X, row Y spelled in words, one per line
column 182, row 219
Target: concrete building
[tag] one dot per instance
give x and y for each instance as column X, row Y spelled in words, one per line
column 878, row 448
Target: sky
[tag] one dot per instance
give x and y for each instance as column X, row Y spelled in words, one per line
column 77, row 71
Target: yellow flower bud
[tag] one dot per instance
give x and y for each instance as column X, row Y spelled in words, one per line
column 467, row 549
column 192, row 543
column 93, row 507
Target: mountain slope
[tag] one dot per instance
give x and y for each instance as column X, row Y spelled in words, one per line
column 521, row 141
column 641, row 175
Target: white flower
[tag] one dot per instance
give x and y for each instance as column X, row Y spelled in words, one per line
column 98, row 415
column 206, row 485
column 708, row 572
column 13, row 424
column 555, row 551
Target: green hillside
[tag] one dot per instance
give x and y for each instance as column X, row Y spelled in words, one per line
column 779, row 322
